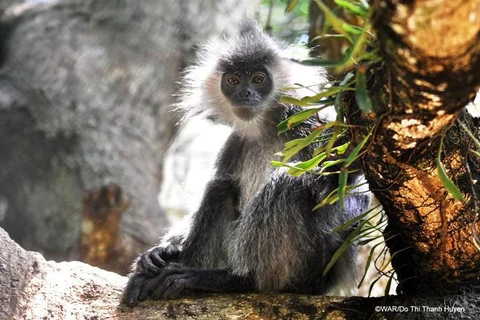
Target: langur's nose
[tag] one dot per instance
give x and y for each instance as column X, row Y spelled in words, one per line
column 245, row 94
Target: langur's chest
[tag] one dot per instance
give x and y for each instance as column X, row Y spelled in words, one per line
column 255, row 171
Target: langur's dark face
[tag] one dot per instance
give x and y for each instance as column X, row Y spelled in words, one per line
column 247, row 90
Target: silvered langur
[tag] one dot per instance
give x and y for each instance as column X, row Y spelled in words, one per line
column 255, row 230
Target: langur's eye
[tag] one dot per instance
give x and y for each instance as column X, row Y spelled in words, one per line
column 258, row 79
column 233, row 81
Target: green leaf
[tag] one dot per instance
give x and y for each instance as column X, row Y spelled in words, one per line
column 277, row 164
column 292, row 143
column 343, row 247
column 475, row 152
column 328, row 36
column 372, row 284
column 331, row 163
column 335, row 135
column 369, row 260
column 309, row 100
column 329, row 199
column 347, row 78
column 470, row 133
column 302, row 143
column 337, row 23
column 296, row 119
column 327, row 93
column 339, row 149
column 292, row 170
column 447, row 183
column 342, row 148
column 342, row 184
column 354, row 54
column 389, row 284
column 290, row 100
column 312, row 163
column 355, row 8
column 361, row 95
column 323, row 63
column 302, row 167
column 294, row 146
column 362, row 242
column 296, row 172
column 356, row 219
column 382, row 269
column 332, row 197
column 352, row 156
column 291, row 5
column 299, row 117
column 353, row 29
column 337, row 255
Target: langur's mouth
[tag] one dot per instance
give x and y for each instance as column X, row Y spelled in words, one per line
column 246, row 113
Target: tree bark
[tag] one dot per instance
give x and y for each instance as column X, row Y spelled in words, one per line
column 431, row 58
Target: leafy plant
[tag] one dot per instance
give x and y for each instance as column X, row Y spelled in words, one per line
column 332, row 151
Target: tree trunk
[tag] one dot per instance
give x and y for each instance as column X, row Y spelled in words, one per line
column 431, row 58
column 85, row 88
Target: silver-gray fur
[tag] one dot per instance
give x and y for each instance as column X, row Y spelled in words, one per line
column 255, row 229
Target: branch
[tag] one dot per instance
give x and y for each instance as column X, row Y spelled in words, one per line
column 32, row 288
